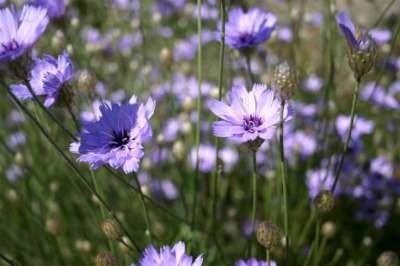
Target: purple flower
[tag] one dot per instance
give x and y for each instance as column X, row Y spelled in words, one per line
column 313, row 83
column 318, row 180
column 380, row 36
column 251, row 115
column 169, row 7
column 248, row 29
column 356, row 40
column 47, row 78
column 116, row 137
column 55, row 8
column 207, row 154
column 167, row 256
column 18, row 32
column 382, row 166
column 361, row 127
column 254, row 262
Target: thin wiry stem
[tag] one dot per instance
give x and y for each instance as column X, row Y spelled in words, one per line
column 316, row 242
column 217, row 173
column 348, row 138
column 283, row 176
column 146, row 213
column 199, row 103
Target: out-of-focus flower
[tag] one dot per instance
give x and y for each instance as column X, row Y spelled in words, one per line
column 317, row 180
column 55, row 8
column 175, row 256
column 254, row 262
column 207, row 154
column 169, row 7
column 285, row 34
column 382, row 166
column 380, row 36
column 164, row 189
column 377, row 94
column 361, row 127
column 250, row 116
column 19, row 32
column 47, row 78
column 116, row 137
column 248, row 29
column 16, row 139
column 313, row 83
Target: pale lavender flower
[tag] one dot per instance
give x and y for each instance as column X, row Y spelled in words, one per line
column 207, row 155
column 248, row 29
column 380, row 36
column 313, row 83
column 19, row 32
column 382, row 166
column 47, row 78
column 116, row 138
column 317, row 180
column 55, row 8
column 361, row 127
column 285, row 34
column 254, row 262
column 167, row 256
column 250, row 116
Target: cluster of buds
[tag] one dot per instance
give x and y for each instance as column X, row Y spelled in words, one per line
column 388, row 258
column 285, row 80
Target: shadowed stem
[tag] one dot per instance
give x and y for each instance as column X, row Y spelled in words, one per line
column 199, row 102
column 146, row 213
column 267, row 255
column 249, row 72
column 7, row 260
column 283, row 176
column 217, row 173
column 346, row 144
column 69, row 161
column 316, row 242
column 254, row 203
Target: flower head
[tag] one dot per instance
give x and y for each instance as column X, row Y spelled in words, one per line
column 248, row 29
column 116, row 137
column 47, row 78
column 18, row 32
column 361, row 46
column 251, row 116
column 167, row 256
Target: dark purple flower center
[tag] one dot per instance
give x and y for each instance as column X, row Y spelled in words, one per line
column 120, row 139
column 251, row 122
column 245, row 37
column 10, row 46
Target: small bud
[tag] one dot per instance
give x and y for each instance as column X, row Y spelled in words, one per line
column 268, row 234
column 324, row 201
column 53, row 226
column 111, row 229
column 83, row 245
column 19, row 159
column 105, row 259
column 86, row 81
column 178, row 150
column 362, row 58
column 285, row 80
column 166, row 57
column 388, row 258
column 328, row 229
column 58, row 40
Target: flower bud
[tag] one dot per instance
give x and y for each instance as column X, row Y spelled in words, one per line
column 328, row 229
column 166, row 57
column 388, row 258
column 268, row 234
column 111, row 229
column 86, row 81
column 324, row 201
column 362, row 58
column 284, row 80
column 105, row 259
column 53, row 226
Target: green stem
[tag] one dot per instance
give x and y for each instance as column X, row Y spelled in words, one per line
column 217, row 173
column 254, row 202
column 268, row 257
column 249, row 72
column 316, row 242
column 283, row 176
column 346, row 144
column 199, row 102
column 143, row 202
